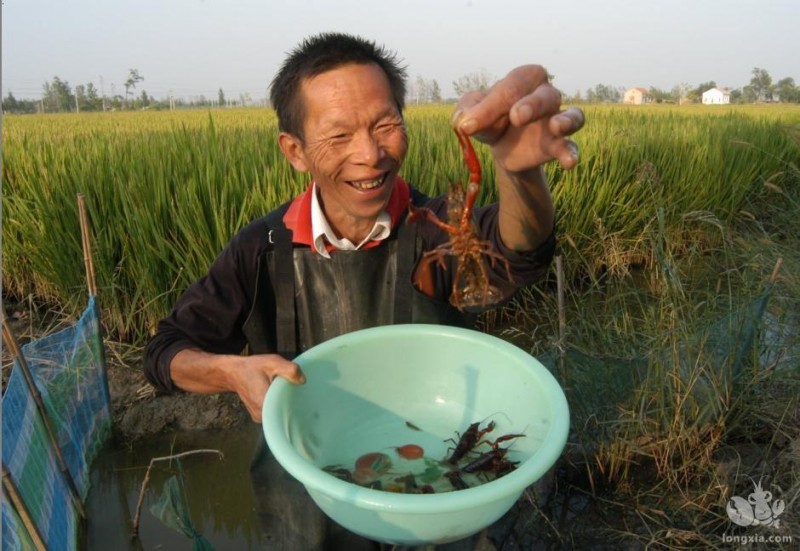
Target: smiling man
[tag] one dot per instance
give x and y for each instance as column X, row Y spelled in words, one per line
column 340, row 256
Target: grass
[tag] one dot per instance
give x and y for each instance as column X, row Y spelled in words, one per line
column 673, row 221
column 672, row 416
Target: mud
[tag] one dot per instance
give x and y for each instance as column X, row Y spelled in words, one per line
column 139, row 412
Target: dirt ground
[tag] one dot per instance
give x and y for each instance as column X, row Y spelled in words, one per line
column 138, row 411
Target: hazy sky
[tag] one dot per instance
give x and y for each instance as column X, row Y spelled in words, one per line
column 194, row 47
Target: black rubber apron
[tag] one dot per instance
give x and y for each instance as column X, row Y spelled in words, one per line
column 313, row 299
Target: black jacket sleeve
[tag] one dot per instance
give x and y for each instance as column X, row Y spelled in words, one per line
column 211, row 312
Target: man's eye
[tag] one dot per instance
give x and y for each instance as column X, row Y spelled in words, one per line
column 388, row 127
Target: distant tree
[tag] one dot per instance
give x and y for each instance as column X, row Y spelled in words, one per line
column 421, row 90
column 221, row 98
column 480, row 81
column 680, row 92
column 436, row 92
column 81, row 102
column 660, row 96
column 116, row 102
column 736, row 96
column 57, row 96
column 133, row 78
column 749, row 94
column 603, row 93
column 94, row 103
column 9, row 103
column 761, row 84
column 786, row 90
column 144, row 101
column 18, row 106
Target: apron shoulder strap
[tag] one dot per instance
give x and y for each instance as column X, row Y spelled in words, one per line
column 279, row 238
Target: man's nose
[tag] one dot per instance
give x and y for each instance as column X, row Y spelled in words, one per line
column 366, row 148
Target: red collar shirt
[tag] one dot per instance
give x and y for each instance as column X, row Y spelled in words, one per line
column 310, row 226
column 324, row 236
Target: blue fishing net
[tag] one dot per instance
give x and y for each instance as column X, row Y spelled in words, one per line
column 68, row 370
column 707, row 364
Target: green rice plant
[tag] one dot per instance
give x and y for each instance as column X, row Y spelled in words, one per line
column 166, row 190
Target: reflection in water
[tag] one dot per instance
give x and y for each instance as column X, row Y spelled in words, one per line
column 219, row 493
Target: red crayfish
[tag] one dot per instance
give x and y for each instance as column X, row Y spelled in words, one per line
column 494, row 461
column 471, row 285
column 468, row 440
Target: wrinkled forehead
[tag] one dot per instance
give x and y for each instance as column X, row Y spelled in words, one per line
column 344, row 91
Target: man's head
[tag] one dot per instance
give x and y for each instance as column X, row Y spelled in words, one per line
column 321, row 53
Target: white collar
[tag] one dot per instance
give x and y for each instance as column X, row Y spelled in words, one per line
column 321, row 230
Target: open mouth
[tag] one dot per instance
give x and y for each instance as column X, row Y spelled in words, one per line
column 367, row 185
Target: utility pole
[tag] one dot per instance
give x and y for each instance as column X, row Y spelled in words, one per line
column 77, row 107
column 103, row 93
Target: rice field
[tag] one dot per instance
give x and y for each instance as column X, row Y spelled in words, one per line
column 673, row 219
column 166, row 190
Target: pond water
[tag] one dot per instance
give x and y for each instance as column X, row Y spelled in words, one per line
column 219, row 493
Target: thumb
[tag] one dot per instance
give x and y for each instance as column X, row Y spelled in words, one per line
column 291, row 372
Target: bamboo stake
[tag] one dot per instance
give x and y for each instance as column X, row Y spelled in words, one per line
column 87, row 246
column 11, row 342
column 22, row 510
column 91, row 285
column 135, row 527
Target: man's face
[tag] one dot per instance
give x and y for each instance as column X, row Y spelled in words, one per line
column 355, row 141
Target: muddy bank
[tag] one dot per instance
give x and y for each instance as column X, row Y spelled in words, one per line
column 138, row 411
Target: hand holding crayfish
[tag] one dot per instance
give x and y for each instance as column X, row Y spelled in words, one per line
column 521, row 120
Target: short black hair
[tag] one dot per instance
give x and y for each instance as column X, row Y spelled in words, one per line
column 324, row 52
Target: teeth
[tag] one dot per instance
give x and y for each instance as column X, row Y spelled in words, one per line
column 367, row 184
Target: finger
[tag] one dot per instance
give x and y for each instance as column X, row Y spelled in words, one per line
column 466, row 102
column 567, row 154
column 542, row 102
column 487, row 134
column 498, row 102
column 567, row 122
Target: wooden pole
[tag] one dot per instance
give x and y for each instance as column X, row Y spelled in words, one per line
column 22, row 510
column 11, row 342
column 87, row 246
column 91, row 284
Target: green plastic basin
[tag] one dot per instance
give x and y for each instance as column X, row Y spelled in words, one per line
column 385, row 387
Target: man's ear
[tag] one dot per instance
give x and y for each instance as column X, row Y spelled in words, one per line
column 292, row 149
